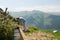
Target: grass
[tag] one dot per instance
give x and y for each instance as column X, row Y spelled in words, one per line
column 56, row 34
column 34, row 29
column 31, row 29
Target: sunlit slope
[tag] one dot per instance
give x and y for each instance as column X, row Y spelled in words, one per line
column 34, row 33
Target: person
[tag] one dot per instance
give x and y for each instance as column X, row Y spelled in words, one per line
column 22, row 21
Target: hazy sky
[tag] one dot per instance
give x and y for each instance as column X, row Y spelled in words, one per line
column 21, row 5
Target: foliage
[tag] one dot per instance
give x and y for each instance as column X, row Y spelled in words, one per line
column 6, row 26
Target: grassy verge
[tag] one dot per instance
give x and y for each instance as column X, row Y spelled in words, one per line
column 31, row 29
column 56, row 34
column 34, row 29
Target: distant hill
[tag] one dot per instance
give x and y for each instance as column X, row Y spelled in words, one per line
column 40, row 19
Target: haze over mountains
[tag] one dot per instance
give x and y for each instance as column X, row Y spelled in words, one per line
column 40, row 19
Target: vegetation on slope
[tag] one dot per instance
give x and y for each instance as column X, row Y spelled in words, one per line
column 37, row 34
column 7, row 25
column 56, row 34
column 31, row 29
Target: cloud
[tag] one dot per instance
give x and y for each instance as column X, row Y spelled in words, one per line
column 44, row 8
column 41, row 8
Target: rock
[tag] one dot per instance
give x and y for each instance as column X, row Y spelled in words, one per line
column 54, row 31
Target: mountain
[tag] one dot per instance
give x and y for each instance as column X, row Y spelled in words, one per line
column 40, row 19
column 54, row 13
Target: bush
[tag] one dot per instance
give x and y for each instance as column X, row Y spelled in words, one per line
column 6, row 27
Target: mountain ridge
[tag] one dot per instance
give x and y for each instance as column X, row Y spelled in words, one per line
column 41, row 19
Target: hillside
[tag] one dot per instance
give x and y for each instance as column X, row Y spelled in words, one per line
column 41, row 36
column 40, row 19
column 7, row 25
column 38, row 34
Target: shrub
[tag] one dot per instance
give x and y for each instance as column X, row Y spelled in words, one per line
column 6, row 27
